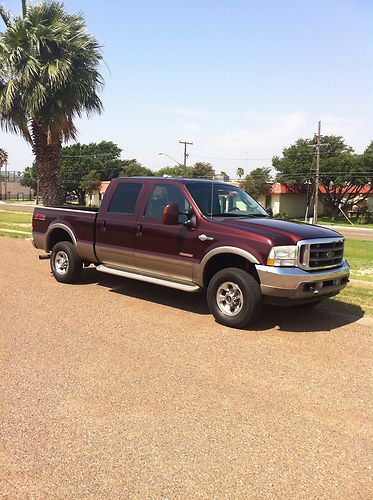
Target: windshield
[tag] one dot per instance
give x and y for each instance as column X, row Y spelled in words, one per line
column 222, row 200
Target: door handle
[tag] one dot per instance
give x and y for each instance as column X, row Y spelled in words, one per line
column 203, row 237
column 138, row 229
column 103, row 225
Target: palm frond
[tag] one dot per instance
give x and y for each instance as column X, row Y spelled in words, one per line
column 5, row 15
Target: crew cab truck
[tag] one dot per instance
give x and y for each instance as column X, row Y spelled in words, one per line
column 192, row 235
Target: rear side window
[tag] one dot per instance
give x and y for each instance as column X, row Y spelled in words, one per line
column 125, row 197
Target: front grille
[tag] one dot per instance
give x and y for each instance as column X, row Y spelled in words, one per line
column 319, row 254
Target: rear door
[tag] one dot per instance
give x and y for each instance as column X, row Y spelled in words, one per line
column 160, row 249
column 116, row 223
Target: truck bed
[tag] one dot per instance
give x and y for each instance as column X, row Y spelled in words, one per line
column 79, row 222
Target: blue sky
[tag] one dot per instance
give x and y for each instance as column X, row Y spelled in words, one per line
column 235, row 77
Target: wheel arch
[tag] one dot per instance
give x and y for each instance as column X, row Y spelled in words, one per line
column 59, row 232
column 223, row 257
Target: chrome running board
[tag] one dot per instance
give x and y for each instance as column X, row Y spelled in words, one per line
column 185, row 287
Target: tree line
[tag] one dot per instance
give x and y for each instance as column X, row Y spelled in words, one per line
column 344, row 175
column 85, row 166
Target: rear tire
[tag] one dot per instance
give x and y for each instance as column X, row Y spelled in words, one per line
column 66, row 265
column 234, row 297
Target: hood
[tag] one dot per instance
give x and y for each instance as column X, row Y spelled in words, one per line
column 278, row 231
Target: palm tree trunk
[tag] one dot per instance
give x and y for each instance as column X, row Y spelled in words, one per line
column 48, row 158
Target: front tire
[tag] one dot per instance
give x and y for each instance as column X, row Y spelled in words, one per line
column 234, row 297
column 66, row 265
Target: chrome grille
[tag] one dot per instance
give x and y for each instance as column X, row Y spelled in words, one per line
column 320, row 254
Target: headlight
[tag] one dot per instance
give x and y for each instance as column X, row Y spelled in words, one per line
column 282, row 256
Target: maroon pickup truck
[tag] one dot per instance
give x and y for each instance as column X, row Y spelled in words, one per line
column 191, row 235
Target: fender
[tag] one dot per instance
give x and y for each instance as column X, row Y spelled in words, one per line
column 199, row 268
column 59, row 225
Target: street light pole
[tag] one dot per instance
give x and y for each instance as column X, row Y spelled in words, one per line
column 173, row 159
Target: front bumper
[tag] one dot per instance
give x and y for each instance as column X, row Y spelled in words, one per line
column 296, row 284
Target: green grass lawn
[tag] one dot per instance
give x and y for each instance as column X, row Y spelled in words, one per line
column 359, row 254
column 15, row 224
column 352, row 300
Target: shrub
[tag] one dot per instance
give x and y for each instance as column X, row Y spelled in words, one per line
column 282, row 215
column 365, row 219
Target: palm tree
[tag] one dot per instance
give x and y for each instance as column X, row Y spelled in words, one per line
column 240, row 172
column 3, row 160
column 48, row 76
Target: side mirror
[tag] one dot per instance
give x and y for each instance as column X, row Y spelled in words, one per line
column 171, row 214
column 270, row 211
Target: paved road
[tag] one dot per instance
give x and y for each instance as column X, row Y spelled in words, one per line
column 16, row 207
column 118, row 389
column 357, row 234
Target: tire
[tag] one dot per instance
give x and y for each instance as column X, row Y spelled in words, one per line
column 66, row 265
column 244, row 298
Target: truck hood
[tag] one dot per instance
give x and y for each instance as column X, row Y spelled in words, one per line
column 280, row 232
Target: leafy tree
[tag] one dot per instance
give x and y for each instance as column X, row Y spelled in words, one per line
column 80, row 159
column 343, row 174
column 240, row 172
column 255, row 183
column 201, row 170
column 48, row 77
column 369, row 149
column 90, row 182
column 3, row 158
column 30, row 177
column 131, row 168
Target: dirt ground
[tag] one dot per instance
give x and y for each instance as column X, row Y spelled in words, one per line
column 118, row 389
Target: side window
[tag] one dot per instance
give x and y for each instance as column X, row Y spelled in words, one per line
column 163, row 194
column 125, row 197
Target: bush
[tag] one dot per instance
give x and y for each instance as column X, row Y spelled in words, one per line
column 365, row 219
column 282, row 215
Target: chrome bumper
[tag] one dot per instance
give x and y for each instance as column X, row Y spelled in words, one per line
column 296, row 284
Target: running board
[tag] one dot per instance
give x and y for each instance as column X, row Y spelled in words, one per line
column 185, row 287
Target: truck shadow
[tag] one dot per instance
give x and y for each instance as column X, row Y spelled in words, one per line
column 325, row 317
column 322, row 318
column 192, row 302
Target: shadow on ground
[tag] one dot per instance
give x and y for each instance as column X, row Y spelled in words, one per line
column 325, row 317
column 322, row 318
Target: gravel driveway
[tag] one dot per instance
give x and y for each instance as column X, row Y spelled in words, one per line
column 117, row 389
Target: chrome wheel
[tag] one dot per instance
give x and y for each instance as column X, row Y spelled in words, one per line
column 61, row 262
column 229, row 298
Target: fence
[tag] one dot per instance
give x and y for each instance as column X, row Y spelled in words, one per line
column 11, row 189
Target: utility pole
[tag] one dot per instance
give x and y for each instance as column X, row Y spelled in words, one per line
column 185, row 152
column 317, row 147
column 317, row 178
